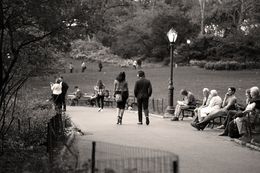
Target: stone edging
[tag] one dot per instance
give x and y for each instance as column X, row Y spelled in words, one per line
column 247, row 144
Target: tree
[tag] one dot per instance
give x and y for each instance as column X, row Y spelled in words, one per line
column 28, row 41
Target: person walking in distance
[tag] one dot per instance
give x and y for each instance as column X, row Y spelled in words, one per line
column 64, row 89
column 100, row 66
column 121, row 94
column 143, row 91
column 99, row 91
column 83, row 66
column 71, row 67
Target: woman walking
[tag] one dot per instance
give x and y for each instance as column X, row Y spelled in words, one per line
column 99, row 90
column 121, row 95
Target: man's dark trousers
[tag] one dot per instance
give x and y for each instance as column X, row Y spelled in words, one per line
column 142, row 104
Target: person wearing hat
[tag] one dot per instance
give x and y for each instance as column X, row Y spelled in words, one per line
column 142, row 91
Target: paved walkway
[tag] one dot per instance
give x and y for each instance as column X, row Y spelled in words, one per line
column 199, row 151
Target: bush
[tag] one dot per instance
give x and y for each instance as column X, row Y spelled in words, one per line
column 198, row 63
column 225, row 65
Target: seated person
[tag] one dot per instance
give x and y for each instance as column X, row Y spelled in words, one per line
column 205, row 103
column 229, row 103
column 213, row 107
column 231, row 114
column 76, row 96
column 188, row 101
column 241, row 116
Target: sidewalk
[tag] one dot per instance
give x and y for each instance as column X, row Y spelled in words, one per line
column 199, row 151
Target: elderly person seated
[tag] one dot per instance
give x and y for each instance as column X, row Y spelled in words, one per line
column 205, row 103
column 188, row 101
column 236, row 128
column 214, row 106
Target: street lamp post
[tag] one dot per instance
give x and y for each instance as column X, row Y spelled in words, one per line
column 188, row 42
column 172, row 36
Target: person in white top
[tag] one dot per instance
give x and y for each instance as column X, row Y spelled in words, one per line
column 56, row 94
column 214, row 104
column 83, row 66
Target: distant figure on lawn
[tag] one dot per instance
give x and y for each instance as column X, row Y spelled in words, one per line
column 83, row 67
column 71, row 67
column 100, row 66
column 99, row 92
column 143, row 91
column 121, row 94
column 134, row 64
column 188, row 101
column 64, row 89
column 56, row 95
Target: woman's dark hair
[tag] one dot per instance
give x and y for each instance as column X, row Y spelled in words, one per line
column 233, row 89
column 100, row 84
column 121, row 77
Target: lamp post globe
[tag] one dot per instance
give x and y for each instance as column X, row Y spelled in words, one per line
column 172, row 36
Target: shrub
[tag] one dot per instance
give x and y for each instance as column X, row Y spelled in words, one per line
column 198, row 63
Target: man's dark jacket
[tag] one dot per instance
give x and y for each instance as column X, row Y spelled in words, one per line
column 143, row 88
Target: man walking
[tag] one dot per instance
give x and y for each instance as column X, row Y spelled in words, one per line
column 142, row 91
column 64, row 89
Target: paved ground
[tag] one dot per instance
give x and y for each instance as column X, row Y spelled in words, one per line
column 199, row 151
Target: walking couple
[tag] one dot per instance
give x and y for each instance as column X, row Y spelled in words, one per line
column 142, row 91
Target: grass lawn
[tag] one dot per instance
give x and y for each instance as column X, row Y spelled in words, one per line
column 191, row 78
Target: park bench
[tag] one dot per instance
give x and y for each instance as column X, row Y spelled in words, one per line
column 189, row 112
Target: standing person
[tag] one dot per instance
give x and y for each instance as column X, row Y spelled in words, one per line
column 142, row 91
column 99, row 91
column 100, row 66
column 64, row 89
column 83, row 67
column 71, row 67
column 56, row 95
column 121, row 94
column 135, row 64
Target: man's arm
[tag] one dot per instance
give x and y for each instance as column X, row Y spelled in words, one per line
column 230, row 103
column 150, row 89
column 136, row 89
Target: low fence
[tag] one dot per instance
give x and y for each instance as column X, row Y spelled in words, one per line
column 112, row 158
column 157, row 106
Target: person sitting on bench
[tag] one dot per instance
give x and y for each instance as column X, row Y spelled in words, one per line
column 229, row 103
column 205, row 103
column 76, row 96
column 188, row 101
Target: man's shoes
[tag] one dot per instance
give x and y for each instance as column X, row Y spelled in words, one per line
column 221, row 127
column 140, row 123
column 99, row 109
column 147, row 121
column 223, row 134
column 193, row 124
column 175, row 119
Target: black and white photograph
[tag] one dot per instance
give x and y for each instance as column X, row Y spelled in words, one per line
column 129, row 86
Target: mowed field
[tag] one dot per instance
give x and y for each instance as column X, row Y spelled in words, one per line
column 191, row 78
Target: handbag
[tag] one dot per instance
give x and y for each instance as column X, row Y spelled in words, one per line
column 118, row 97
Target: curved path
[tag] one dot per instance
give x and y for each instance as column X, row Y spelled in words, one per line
column 199, row 151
